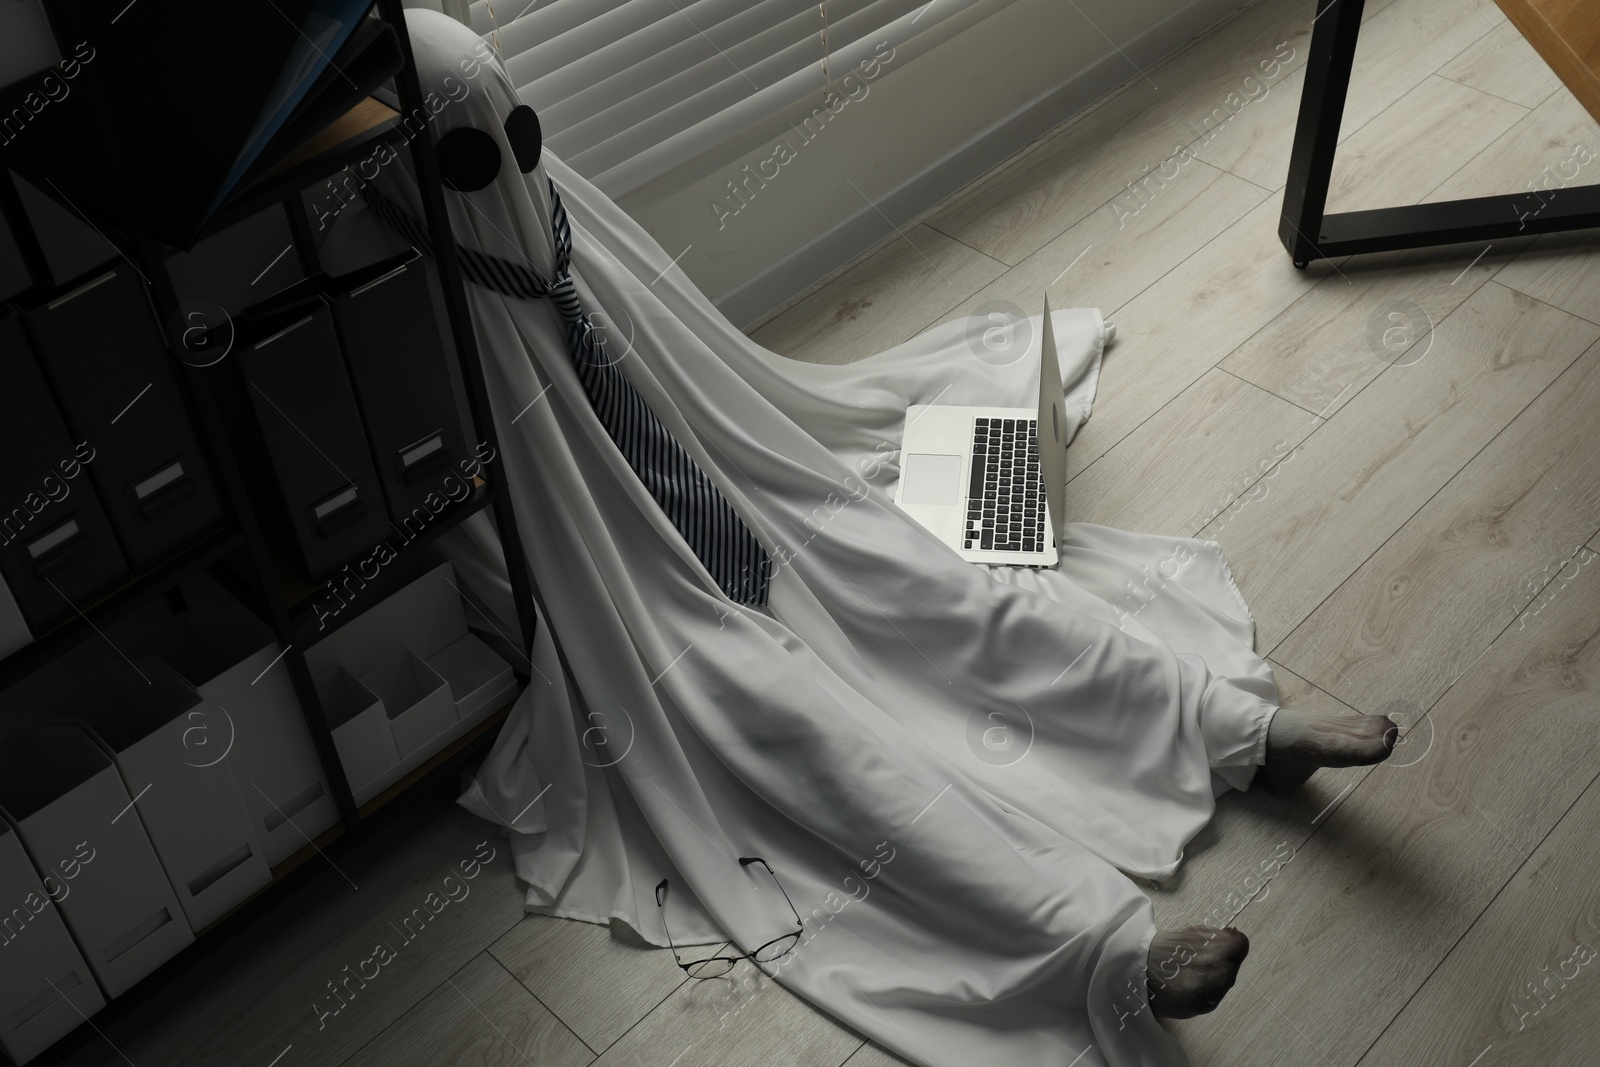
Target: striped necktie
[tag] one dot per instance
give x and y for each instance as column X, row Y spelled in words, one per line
column 708, row 523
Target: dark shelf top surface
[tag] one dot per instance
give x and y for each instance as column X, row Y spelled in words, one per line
column 410, row 563
column 92, row 618
column 300, row 172
column 411, row 559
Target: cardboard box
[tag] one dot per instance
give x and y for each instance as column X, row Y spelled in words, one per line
column 162, row 737
column 231, row 659
column 68, row 804
column 360, row 727
column 478, row 678
column 416, row 700
column 46, row 989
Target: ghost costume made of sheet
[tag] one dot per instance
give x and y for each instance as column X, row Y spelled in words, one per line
column 947, row 766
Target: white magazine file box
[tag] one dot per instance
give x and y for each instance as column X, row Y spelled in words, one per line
column 46, row 989
column 425, row 618
column 360, row 727
column 232, row 660
column 480, row 681
column 66, row 799
column 416, row 699
column 163, row 736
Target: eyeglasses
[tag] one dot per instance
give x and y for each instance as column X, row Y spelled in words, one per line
column 717, row 966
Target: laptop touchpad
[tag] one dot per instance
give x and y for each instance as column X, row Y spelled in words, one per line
column 931, row 479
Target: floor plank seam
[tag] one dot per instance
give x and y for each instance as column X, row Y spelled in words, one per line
column 1308, row 681
column 1471, row 926
column 1236, row 220
column 1546, row 303
column 853, row 1054
column 1470, row 161
column 1515, row 103
column 1111, row 446
column 640, row 1020
column 1448, row 482
column 1394, row 533
column 1264, row 391
column 405, row 1011
column 537, row 999
column 1402, row 525
column 971, row 248
column 1427, row 712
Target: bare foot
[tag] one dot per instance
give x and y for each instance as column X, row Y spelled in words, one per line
column 1190, row 970
column 1298, row 742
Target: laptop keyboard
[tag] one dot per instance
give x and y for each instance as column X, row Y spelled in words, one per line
column 1006, row 500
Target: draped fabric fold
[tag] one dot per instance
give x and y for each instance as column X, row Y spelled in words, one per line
column 951, row 769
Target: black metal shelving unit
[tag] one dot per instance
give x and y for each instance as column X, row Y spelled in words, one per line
column 240, row 556
column 1310, row 233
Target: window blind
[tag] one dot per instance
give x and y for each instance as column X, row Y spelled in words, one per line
column 631, row 92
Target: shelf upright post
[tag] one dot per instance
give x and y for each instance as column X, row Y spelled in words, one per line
column 305, row 242
column 455, row 298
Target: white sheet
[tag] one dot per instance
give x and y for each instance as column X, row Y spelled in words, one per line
column 865, row 732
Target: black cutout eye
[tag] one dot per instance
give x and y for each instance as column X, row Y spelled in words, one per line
column 527, row 139
column 469, row 159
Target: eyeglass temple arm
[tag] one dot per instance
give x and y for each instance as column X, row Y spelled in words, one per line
column 661, row 904
column 746, row 861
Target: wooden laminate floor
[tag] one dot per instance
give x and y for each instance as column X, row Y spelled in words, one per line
column 1399, row 454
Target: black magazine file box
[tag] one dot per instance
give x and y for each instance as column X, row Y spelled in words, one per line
column 391, row 343
column 57, row 551
column 102, row 349
column 306, row 450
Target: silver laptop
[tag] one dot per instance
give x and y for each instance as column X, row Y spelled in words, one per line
column 991, row 482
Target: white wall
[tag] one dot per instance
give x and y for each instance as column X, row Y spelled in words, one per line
column 922, row 131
